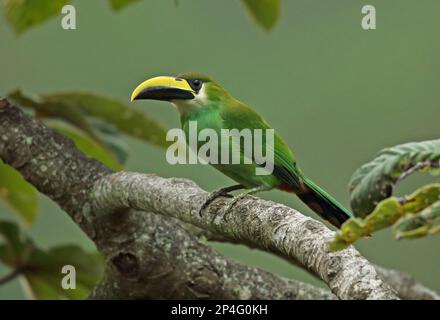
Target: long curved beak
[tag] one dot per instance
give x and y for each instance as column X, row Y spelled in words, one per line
column 163, row 88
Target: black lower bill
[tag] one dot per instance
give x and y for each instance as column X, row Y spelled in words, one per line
column 164, row 93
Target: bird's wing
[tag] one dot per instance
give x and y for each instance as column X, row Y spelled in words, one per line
column 239, row 116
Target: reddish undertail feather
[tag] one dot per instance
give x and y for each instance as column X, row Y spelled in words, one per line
column 320, row 202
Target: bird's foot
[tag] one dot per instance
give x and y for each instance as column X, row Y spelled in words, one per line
column 223, row 192
column 228, row 208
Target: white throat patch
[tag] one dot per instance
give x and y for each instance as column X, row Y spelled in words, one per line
column 200, row 99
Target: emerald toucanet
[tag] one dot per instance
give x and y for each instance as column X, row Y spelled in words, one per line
column 199, row 98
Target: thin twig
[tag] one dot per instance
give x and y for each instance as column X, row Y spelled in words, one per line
column 11, row 276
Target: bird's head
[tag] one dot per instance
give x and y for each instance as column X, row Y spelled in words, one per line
column 187, row 91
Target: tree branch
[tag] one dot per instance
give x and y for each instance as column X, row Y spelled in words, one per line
column 11, row 276
column 145, row 260
column 403, row 284
column 165, row 261
column 147, row 256
column 265, row 224
column 406, row 286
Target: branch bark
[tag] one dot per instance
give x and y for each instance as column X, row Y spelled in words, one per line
column 150, row 256
column 403, row 284
column 406, row 286
column 165, row 261
column 147, row 256
column 265, row 224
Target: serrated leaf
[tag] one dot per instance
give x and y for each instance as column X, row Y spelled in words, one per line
column 84, row 143
column 264, row 12
column 375, row 180
column 423, row 203
column 21, row 196
column 24, row 14
column 120, row 4
column 41, row 269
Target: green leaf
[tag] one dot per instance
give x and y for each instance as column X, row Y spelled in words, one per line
column 84, row 110
column 84, row 143
column 97, row 129
column 44, row 274
column 44, row 109
column 111, row 137
column 418, row 210
column 375, row 180
column 24, row 14
column 42, row 269
column 13, row 244
column 120, row 4
column 18, row 194
column 420, row 224
column 265, row 12
column 99, row 117
column 126, row 119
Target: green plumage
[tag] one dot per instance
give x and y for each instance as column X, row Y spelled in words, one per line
column 201, row 100
column 222, row 111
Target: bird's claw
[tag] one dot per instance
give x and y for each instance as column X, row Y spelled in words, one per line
column 240, row 197
column 230, row 205
column 224, row 192
column 210, row 199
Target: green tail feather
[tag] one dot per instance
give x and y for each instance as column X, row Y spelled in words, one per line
column 323, row 204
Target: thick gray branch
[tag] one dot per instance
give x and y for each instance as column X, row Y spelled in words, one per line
column 148, row 256
column 144, row 260
column 406, row 286
column 165, row 261
column 265, row 224
column 403, row 284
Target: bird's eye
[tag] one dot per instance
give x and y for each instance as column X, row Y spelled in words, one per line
column 195, row 84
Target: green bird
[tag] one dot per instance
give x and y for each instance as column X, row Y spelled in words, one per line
column 201, row 99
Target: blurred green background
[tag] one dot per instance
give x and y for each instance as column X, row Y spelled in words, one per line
column 335, row 92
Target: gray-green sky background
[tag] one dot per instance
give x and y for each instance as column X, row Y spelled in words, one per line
column 336, row 93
